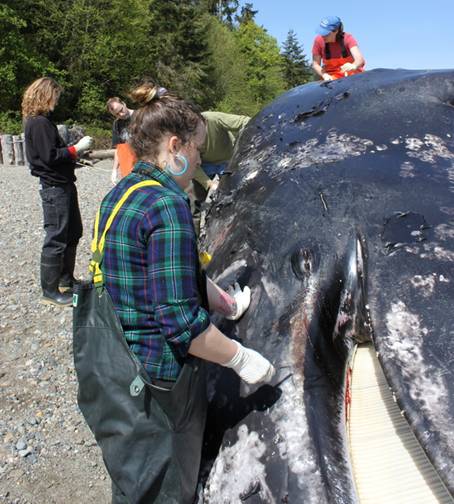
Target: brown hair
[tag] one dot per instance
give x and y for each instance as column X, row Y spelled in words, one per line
column 160, row 112
column 111, row 101
column 40, row 96
column 340, row 32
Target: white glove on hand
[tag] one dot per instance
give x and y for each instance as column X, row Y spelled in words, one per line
column 327, row 77
column 114, row 177
column 348, row 67
column 250, row 366
column 83, row 144
column 242, row 299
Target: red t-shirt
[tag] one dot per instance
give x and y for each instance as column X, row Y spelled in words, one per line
column 318, row 48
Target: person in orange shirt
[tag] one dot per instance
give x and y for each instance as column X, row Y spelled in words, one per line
column 338, row 50
column 125, row 157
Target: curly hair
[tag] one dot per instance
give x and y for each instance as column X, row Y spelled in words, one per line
column 160, row 112
column 40, row 96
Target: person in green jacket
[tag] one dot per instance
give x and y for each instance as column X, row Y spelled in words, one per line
column 223, row 131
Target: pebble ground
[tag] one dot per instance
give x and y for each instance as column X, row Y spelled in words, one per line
column 47, row 453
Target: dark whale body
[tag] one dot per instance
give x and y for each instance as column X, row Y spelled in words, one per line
column 339, row 214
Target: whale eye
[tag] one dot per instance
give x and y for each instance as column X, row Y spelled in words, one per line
column 303, row 262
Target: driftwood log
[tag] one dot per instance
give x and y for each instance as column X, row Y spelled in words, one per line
column 101, row 154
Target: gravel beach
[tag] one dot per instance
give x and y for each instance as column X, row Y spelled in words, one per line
column 47, row 453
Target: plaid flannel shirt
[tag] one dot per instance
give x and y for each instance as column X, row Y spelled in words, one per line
column 150, row 268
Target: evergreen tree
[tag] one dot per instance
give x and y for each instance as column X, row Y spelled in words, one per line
column 13, row 56
column 101, row 51
column 20, row 63
column 247, row 13
column 262, row 61
column 295, row 67
column 101, row 48
column 178, row 51
column 231, row 91
column 224, row 10
column 87, row 46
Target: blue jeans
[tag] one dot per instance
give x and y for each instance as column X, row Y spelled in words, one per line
column 212, row 169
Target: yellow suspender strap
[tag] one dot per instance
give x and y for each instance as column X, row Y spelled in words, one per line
column 97, row 248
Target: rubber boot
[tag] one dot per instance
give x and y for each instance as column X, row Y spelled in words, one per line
column 67, row 280
column 51, row 267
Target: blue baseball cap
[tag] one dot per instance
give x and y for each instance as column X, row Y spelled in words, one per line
column 327, row 25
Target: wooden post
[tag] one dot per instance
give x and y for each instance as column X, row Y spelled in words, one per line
column 7, row 149
column 18, row 145
column 26, row 163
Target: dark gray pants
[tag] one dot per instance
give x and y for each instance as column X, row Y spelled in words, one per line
column 62, row 220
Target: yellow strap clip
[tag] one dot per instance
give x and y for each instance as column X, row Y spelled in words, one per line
column 204, row 258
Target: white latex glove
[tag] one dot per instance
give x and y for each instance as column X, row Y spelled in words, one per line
column 327, row 77
column 83, row 144
column 348, row 67
column 250, row 366
column 242, row 300
column 114, row 176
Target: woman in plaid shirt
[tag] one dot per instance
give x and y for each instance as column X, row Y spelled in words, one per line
column 151, row 268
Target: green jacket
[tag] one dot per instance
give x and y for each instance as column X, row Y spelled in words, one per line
column 222, row 132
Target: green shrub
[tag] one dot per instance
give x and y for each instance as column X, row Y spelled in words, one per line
column 102, row 136
column 10, row 123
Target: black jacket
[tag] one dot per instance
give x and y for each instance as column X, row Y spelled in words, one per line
column 48, row 155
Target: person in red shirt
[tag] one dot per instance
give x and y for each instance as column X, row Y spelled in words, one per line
column 338, row 50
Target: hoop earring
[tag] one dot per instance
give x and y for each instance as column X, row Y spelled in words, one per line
column 183, row 160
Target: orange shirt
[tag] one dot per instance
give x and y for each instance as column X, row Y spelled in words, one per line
column 126, row 158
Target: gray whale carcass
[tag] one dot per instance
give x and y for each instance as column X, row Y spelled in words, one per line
column 338, row 212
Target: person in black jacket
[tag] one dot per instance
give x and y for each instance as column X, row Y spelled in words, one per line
column 53, row 162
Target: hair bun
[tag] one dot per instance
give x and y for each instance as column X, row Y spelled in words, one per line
column 146, row 93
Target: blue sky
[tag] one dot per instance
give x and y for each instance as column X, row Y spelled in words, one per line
column 390, row 33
